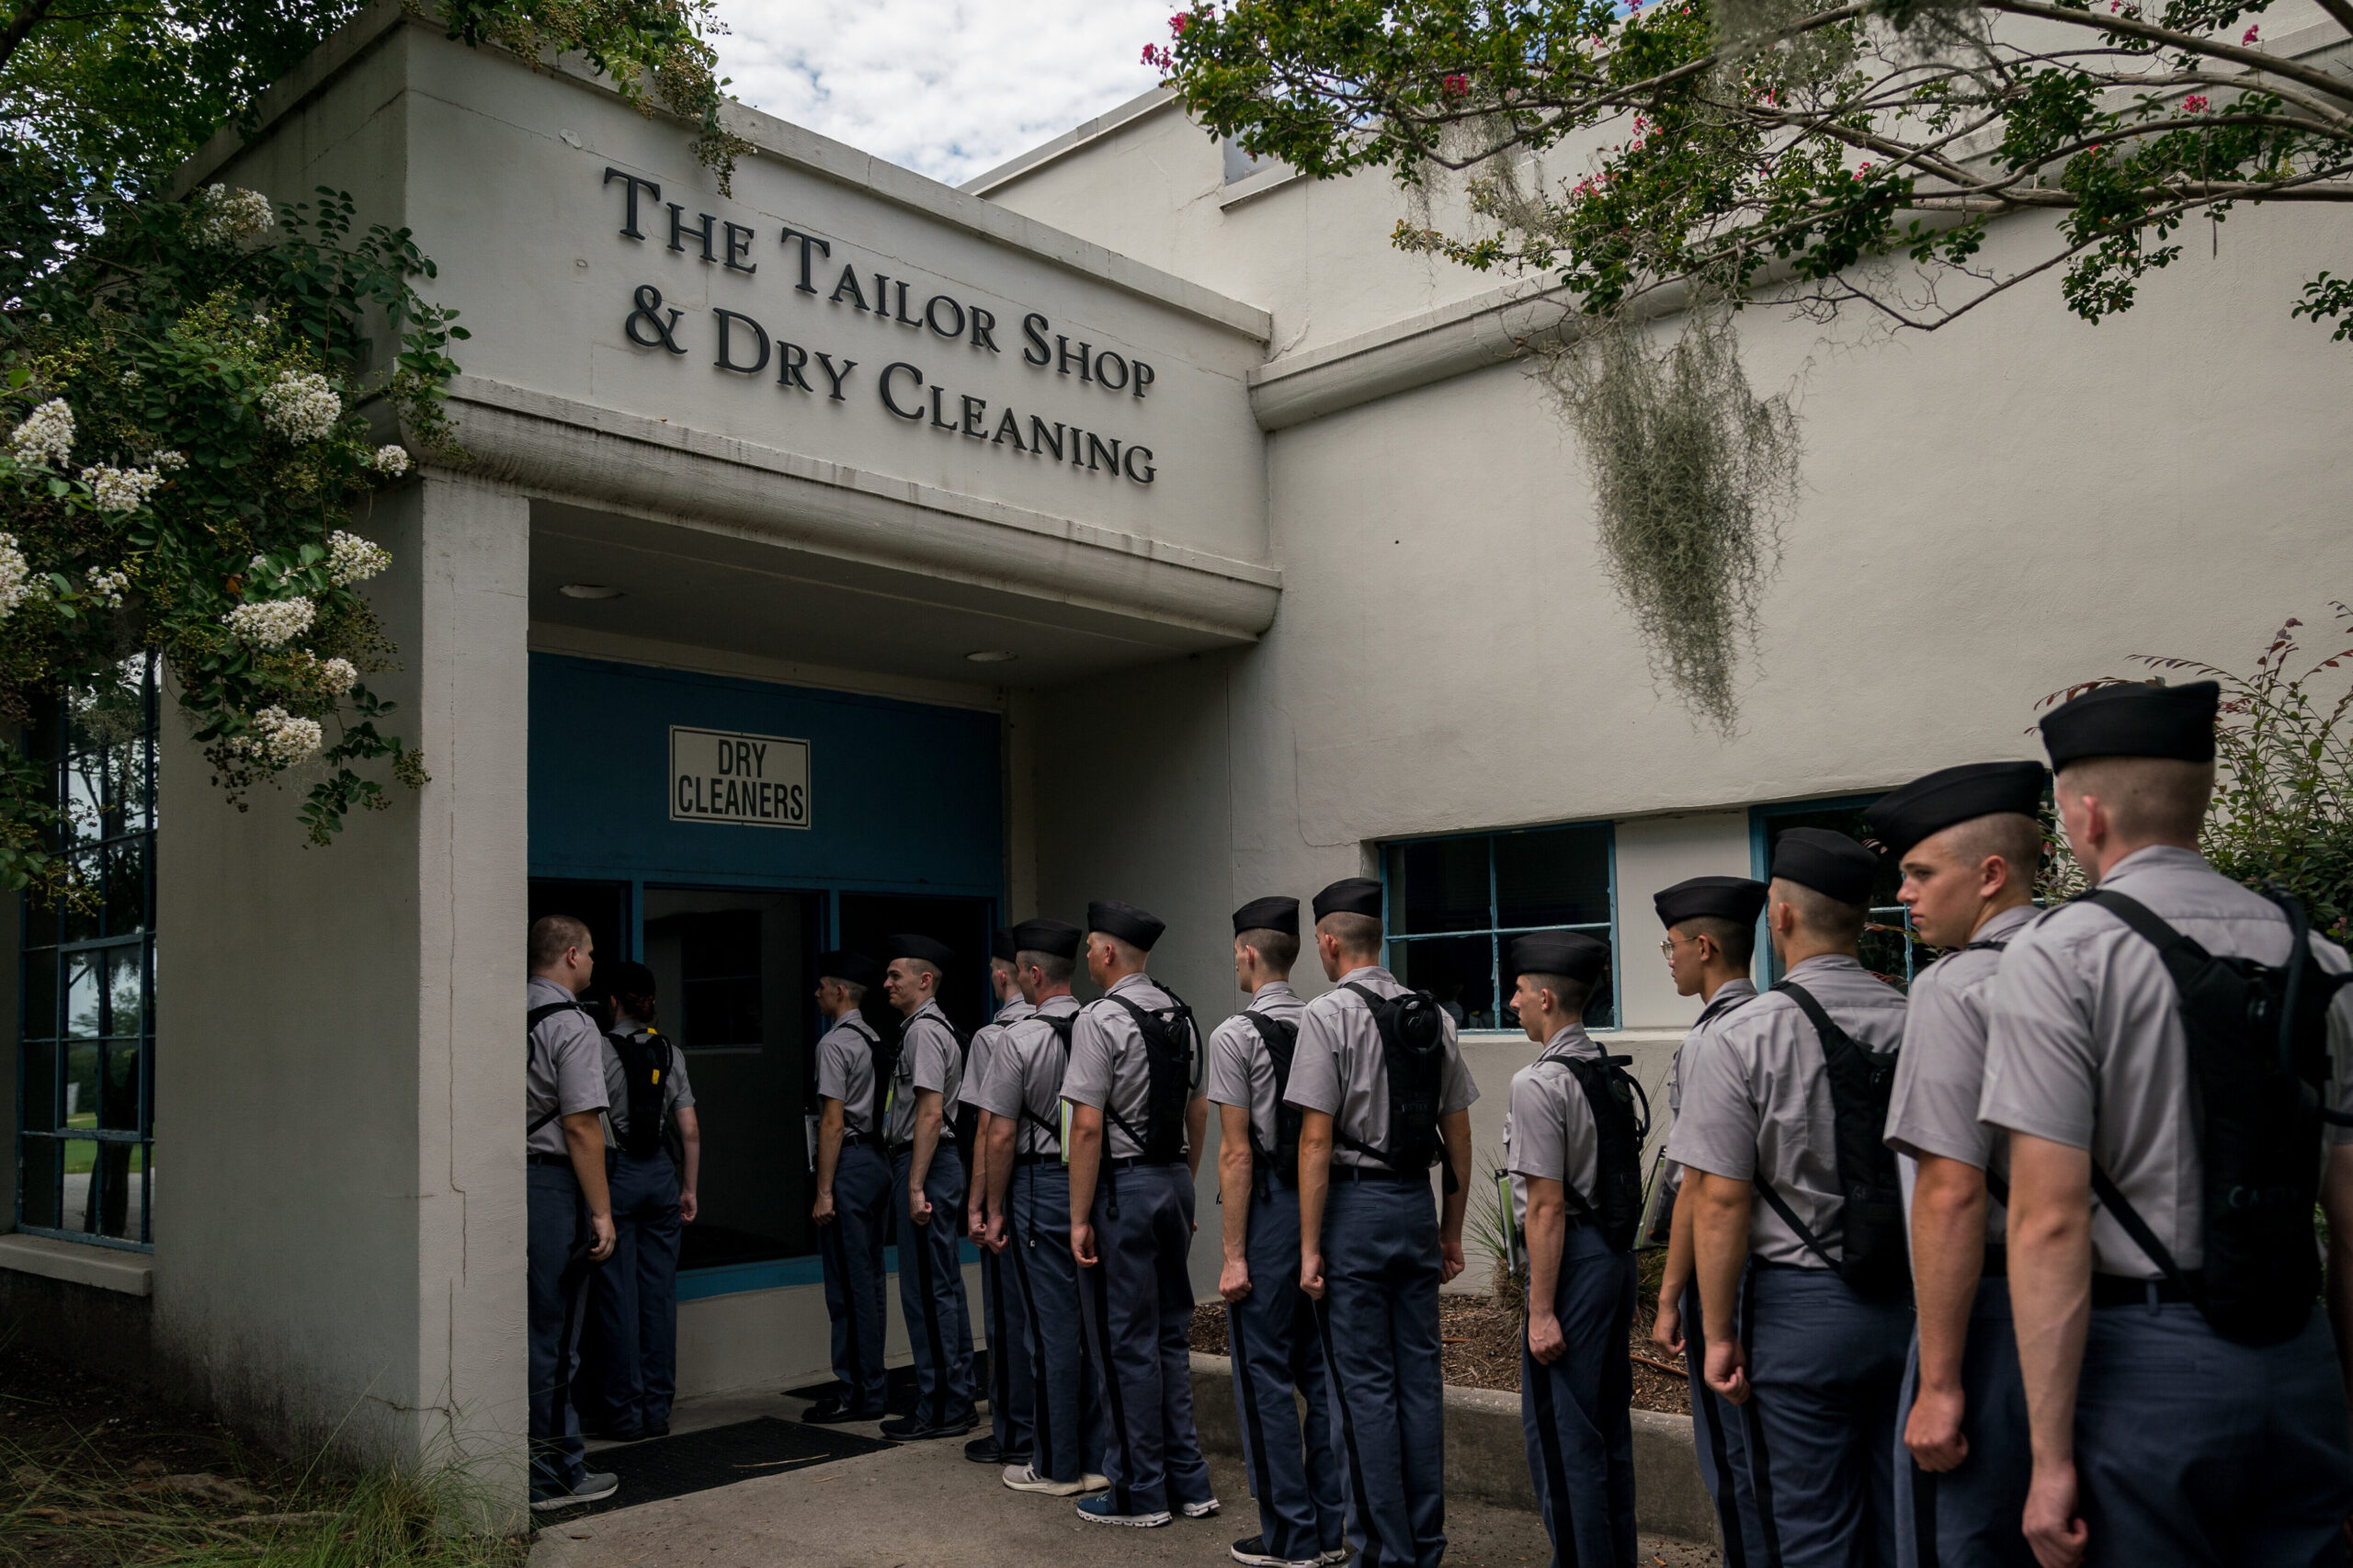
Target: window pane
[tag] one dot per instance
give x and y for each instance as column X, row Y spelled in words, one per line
column 82, row 1084
column 1887, row 947
column 40, row 924
column 36, row 1182
column 122, row 872
column 1552, row 877
column 1440, row 885
column 41, row 994
column 1458, row 971
column 119, row 1093
column 105, row 992
column 39, row 1108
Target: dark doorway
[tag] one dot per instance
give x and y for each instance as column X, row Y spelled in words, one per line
column 871, row 920
column 602, row 908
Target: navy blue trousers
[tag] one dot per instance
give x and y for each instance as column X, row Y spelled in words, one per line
column 635, row 1297
column 1720, row 1434
column 1138, row 1302
column 1011, row 1398
column 556, row 1221
column 2193, row 1452
column 1970, row 1517
column 1067, row 1442
column 851, row 1252
column 1825, row 1370
column 1278, row 1362
column 1577, row 1413
column 931, row 1289
column 1379, row 1319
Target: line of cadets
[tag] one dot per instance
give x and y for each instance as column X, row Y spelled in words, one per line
column 2099, row 1417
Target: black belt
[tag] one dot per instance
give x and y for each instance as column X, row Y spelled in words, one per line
column 1132, row 1161
column 1375, row 1173
column 1997, row 1262
column 1035, row 1159
column 2117, row 1290
column 857, row 1140
column 538, row 1157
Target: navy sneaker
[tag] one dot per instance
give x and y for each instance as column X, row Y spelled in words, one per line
column 1251, row 1552
column 595, row 1487
column 1098, row 1511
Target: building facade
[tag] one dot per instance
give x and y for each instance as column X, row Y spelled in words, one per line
column 1131, row 523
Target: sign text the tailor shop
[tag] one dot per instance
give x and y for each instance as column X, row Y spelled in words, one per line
column 719, row 776
column 742, row 345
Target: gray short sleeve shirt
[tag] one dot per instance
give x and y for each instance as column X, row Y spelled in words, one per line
column 986, row 1042
column 1940, row 1077
column 929, row 1058
column 1241, row 1074
column 677, row 1089
column 846, row 1070
column 1756, row 1104
column 1026, row 1072
column 564, row 1073
column 2085, row 1048
column 1340, row 1069
column 1107, row 1069
column 1730, row 994
column 1549, row 1131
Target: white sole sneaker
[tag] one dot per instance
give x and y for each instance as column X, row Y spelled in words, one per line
column 1095, row 1483
column 1131, row 1521
column 1024, row 1478
column 1197, row 1510
column 1338, row 1554
column 594, row 1488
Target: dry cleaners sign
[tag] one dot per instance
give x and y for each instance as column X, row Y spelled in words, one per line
column 748, row 780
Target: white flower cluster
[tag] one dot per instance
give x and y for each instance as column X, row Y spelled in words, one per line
column 45, row 437
column 107, row 587
column 132, row 379
column 170, row 462
column 303, row 406
column 224, row 216
column 392, row 460
column 271, row 623
column 121, row 489
column 15, row 575
column 338, row 676
column 351, row 559
column 278, row 739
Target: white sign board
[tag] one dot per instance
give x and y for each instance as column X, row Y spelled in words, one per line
column 719, row 776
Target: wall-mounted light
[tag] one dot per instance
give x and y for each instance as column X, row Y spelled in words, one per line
column 991, row 656
column 590, row 591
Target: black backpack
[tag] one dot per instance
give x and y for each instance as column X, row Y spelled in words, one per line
column 1622, row 1124
column 1413, row 1048
column 1875, row 1261
column 645, row 1067
column 2258, row 1070
column 883, row 1050
column 1168, row 1037
column 1062, row 1024
column 966, row 1123
column 531, row 1021
column 1281, row 1162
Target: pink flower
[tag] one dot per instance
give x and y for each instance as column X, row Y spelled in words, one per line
column 2194, row 102
column 1178, row 23
column 2249, row 37
column 1456, row 84
column 1158, row 57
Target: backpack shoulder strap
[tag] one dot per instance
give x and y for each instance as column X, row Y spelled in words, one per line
column 1789, row 1216
column 531, row 1021
column 2180, row 954
column 2113, row 1200
column 1824, row 1027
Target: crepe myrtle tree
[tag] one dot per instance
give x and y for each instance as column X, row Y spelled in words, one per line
column 184, row 387
column 1831, row 156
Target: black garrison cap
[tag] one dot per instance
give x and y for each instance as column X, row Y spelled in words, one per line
column 1931, row 804
column 1830, row 863
column 1267, row 915
column 1126, row 922
column 842, row 964
column 1737, row 899
column 1001, row 944
column 1568, row 953
column 2133, row 719
column 927, row 949
column 1056, row 938
column 1349, row 896
column 626, row 979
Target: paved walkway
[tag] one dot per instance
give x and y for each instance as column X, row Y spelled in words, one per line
column 925, row 1505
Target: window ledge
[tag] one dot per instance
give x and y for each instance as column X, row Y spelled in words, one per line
column 1252, row 186
column 102, row 1268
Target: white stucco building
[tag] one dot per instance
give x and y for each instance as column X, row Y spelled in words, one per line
column 1124, row 524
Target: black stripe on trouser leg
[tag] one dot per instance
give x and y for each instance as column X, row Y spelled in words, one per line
column 1760, row 1464
column 1121, row 1498
column 1727, row 1499
column 1042, row 1426
column 1347, row 1429
column 931, row 1321
column 832, row 1235
column 1260, row 1475
column 1547, row 1443
column 1000, row 1369
column 1924, row 1515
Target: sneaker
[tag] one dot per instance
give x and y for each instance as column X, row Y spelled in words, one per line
column 1025, row 1478
column 832, row 1412
column 1251, row 1551
column 1200, row 1510
column 1098, row 1511
column 595, row 1487
column 1093, row 1483
column 983, row 1449
column 1334, row 1555
column 906, row 1429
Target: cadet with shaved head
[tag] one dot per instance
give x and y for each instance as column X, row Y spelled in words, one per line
column 927, row 1180
column 1007, row 1441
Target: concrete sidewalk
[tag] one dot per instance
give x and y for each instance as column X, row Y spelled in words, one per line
column 925, row 1505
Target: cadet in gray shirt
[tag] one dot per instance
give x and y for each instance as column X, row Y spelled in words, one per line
column 1577, row 1383
column 1968, row 840
column 1373, row 1247
column 1270, row 1323
column 1818, row 1364
column 852, row 1210
column 2156, row 1439
column 927, row 1177
column 1007, row 1440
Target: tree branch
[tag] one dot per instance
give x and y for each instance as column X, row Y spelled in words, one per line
column 2270, row 65
column 29, row 17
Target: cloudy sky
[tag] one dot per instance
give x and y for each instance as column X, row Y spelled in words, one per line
column 948, row 87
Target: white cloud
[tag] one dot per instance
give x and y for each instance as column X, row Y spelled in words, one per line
column 946, row 87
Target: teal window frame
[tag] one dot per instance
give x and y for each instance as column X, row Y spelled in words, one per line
column 1497, row 933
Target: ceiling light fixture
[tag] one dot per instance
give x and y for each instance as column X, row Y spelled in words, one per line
column 588, row 591
column 991, row 656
